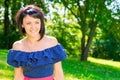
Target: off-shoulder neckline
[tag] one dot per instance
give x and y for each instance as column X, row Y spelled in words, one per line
column 58, row 44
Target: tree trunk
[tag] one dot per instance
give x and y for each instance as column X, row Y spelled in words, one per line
column 85, row 48
column 6, row 22
column 83, row 56
column 6, row 18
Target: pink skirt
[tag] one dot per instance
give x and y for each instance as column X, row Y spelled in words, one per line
column 45, row 78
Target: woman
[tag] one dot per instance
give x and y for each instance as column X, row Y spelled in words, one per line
column 36, row 56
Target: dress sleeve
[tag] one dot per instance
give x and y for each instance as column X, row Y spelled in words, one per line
column 59, row 53
column 11, row 58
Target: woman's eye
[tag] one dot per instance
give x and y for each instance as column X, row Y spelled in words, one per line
column 37, row 22
column 28, row 23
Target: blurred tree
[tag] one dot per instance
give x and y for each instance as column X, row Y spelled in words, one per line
column 89, row 15
column 107, row 44
column 64, row 30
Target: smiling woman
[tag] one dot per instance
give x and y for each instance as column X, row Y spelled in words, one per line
column 37, row 56
column 31, row 25
column 32, row 12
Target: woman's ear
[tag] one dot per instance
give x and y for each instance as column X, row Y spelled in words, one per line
column 22, row 26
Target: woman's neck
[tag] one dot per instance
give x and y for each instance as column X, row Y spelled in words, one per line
column 32, row 40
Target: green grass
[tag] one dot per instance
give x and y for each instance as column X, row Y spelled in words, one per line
column 6, row 72
column 94, row 69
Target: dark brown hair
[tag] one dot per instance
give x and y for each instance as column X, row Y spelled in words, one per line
column 32, row 11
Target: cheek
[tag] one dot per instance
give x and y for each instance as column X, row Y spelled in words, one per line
column 39, row 26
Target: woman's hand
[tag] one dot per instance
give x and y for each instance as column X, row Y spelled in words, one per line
column 18, row 74
column 58, row 71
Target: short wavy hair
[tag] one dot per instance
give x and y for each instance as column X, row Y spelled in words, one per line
column 34, row 12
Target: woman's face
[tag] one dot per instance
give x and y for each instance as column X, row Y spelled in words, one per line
column 31, row 25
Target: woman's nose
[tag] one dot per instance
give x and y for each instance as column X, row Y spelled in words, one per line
column 33, row 25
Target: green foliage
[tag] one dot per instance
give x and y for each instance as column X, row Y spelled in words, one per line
column 65, row 33
column 89, row 15
column 108, row 48
column 6, row 41
column 67, row 36
column 107, row 41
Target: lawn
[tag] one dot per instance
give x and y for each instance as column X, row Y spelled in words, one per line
column 94, row 69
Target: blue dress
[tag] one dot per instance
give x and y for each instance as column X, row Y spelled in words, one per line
column 37, row 64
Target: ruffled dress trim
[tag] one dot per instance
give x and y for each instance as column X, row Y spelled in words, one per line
column 50, row 55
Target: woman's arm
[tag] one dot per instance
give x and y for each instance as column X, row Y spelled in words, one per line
column 18, row 74
column 58, row 71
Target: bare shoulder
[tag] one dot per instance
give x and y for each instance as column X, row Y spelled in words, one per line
column 17, row 45
column 53, row 41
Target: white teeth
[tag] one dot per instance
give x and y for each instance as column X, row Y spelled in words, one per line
column 32, row 31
